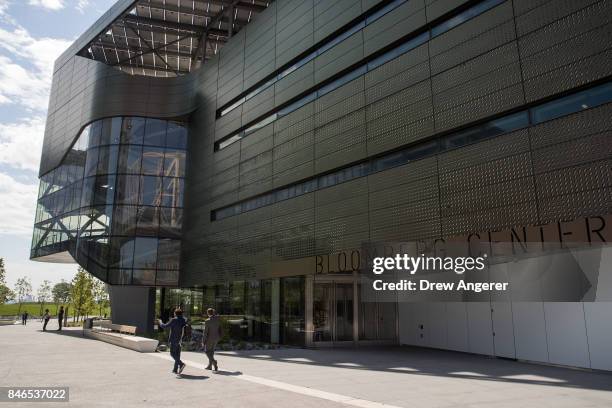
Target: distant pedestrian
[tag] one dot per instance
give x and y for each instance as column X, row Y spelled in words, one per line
column 212, row 334
column 60, row 318
column 46, row 318
column 176, row 326
column 24, row 318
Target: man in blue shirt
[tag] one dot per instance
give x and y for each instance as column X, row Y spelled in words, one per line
column 176, row 326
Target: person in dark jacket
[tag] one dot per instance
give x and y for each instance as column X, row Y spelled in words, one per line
column 60, row 318
column 176, row 325
column 212, row 335
column 24, row 318
column 46, row 318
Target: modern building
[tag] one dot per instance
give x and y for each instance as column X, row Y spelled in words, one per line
column 240, row 154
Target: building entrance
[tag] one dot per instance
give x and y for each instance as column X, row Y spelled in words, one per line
column 339, row 318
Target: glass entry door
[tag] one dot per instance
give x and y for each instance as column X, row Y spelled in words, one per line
column 333, row 315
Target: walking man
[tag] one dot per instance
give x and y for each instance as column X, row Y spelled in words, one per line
column 60, row 318
column 24, row 318
column 46, row 318
column 212, row 335
column 176, row 326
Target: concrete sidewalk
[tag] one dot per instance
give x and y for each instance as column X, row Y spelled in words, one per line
column 101, row 374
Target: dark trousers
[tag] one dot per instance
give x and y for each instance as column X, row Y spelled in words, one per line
column 59, row 322
column 45, row 325
column 175, row 352
column 210, row 353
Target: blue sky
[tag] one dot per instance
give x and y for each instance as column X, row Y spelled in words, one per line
column 33, row 33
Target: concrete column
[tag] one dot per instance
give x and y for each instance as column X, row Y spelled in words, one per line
column 274, row 330
column 133, row 306
column 308, row 296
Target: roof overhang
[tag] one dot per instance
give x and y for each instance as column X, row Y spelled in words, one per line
column 169, row 37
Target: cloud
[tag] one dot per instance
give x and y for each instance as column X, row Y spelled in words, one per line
column 27, row 83
column 18, row 202
column 82, row 5
column 48, row 4
column 21, row 143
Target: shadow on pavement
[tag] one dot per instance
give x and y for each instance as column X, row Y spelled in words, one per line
column 193, row 377
column 228, row 373
column 440, row 363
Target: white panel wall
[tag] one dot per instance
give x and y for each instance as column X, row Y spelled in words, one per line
column 566, row 330
column 599, row 334
column 530, row 331
column 503, row 329
column 480, row 331
column 457, row 326
column 436, row 319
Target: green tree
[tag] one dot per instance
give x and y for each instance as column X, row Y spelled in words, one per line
column 100, row 295
column 61, row 293
column 44, row 294
column 81, row 294
column 6, row 294
column 23, row 289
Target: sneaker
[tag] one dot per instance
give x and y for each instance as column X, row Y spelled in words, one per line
column 215, row 366
column 181, row 368
column 208, row 367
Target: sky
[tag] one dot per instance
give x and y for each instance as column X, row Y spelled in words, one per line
column 33, row 33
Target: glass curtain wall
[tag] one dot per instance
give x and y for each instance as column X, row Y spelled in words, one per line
column 116, row 201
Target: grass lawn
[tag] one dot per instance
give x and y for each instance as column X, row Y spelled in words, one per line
column 33, row 309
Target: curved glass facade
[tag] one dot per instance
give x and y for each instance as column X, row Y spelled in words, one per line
column 115, row 204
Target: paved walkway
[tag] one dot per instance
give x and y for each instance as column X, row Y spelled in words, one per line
column 100, row 374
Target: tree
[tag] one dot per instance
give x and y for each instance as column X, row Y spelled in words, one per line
column 44, row 294
column 81, row 294
column 61, row 293
column 23, row 289
column 6, row 294
column 100, row 295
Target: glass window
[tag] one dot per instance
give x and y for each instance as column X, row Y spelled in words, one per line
column 94, row 133
column 127, row 189
column 598, row 96
column 105, row 134
column 393, row 5
column 152, row 160
column 130, row 157
column 91, row 162
column 170, row 222
column 155, row 132
column 104, row 190
column 147, row 222
column 172, row 192
column 166, row 278
column 124, row 220
column 557, row 108
column 133, row 130
column 226, row 142
column 168, row 254
column 145, row 252
column 174, row 163
column 464, row 16
column 125, row 252
column 88, row 191
column 143, row 277
column 115, row 130
column 176, row 136
column 107, row 160
column 120, row 276
column 150, row 190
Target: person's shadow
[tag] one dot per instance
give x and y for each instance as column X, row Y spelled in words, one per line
column 221, row 372
column 193, row 377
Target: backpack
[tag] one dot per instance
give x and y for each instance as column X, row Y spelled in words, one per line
column 187, row 332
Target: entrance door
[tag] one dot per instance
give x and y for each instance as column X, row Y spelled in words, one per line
column 332, row 312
